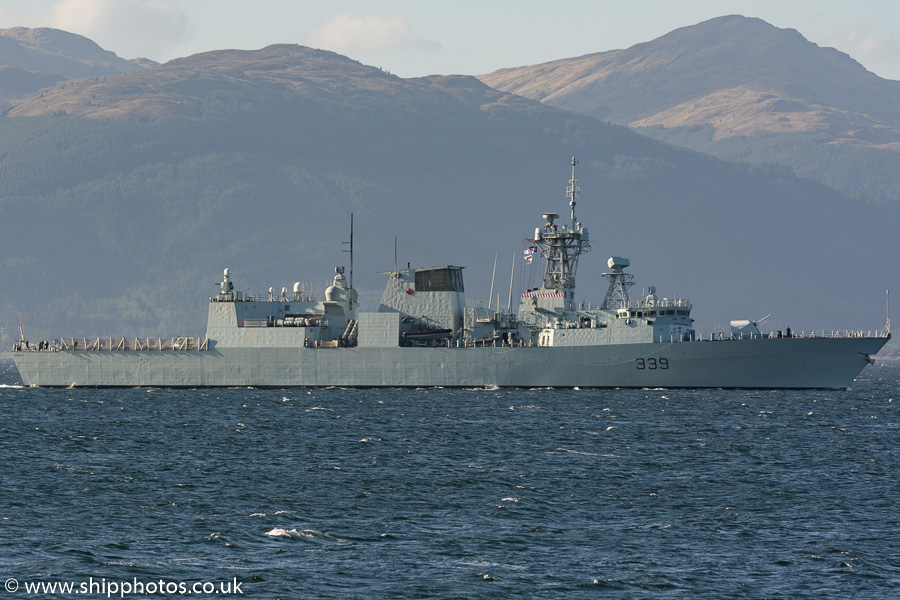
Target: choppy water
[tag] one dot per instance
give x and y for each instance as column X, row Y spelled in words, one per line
column 456, row 493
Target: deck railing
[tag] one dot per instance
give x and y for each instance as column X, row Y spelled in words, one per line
column 642, row 303
column 822, row 334
column 189, row 343
column 132, row 344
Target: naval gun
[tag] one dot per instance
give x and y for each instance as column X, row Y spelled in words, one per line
column 745, row 328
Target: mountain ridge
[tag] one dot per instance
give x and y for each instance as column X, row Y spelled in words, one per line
column 59, row 52
column 739, row 89
column 729, row 65
column 32, row 60
column 183, row 86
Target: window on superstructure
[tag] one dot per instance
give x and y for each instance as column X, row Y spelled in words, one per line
column 448, row 279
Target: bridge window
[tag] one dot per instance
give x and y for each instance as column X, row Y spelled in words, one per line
column 446, row 279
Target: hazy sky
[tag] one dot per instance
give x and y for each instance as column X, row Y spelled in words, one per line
column 421, row 37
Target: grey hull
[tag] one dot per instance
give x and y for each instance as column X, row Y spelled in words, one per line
column 749, row 363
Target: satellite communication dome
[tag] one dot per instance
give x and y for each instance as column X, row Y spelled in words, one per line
column 333, row 293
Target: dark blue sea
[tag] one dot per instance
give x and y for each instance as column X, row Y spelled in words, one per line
column 346, row 493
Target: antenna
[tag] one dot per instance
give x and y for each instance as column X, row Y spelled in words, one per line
column 351, row 250
column 561, row 246
column 491, row 295
column 396, row 272
column 887, row 323
column 512, row 272
column 21, row 331
column 573, row 191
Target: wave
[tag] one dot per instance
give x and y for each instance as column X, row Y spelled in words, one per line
column 277, row 512
column 303, row 535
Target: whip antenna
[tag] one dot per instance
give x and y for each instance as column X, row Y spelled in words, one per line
column 573, row 191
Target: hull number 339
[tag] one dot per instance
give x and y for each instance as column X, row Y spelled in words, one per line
column 652, row 363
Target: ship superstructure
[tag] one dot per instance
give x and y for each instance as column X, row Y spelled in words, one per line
column 424, row 334
column 548, row 315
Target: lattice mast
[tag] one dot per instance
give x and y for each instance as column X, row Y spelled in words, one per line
column 619, row 282
column 561, row 245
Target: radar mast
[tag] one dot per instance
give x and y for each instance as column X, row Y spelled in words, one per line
column 619, row 282
column 561, row 246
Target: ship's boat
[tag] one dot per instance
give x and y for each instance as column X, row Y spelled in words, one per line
column 424, row 334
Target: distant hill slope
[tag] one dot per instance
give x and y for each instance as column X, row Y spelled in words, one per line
column 226, row 81
column 123, row 198
column 742, row 78
column 31, row 59
column 742, row 75
column 17, row 83
column 57, row 52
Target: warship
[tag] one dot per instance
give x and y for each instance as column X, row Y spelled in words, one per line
column 425, row 335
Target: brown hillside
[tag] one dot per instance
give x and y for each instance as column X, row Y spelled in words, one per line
column 739, row 74
column 186, row 87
